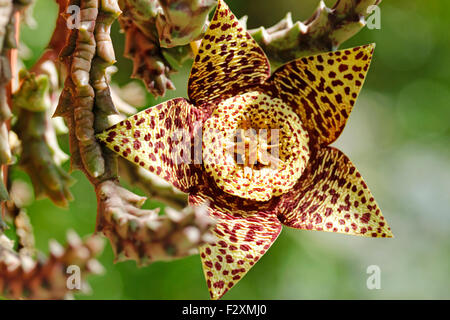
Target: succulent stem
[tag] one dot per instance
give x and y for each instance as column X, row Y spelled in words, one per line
column 87, row 106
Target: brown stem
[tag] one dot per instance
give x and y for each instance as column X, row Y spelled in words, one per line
column 152, row 185
column 12, row 59
column 86, row 104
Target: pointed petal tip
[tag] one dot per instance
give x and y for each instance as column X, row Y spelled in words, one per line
column 215, row 296
column 346, row 206
column 389, row 234
column 229, row 61
column 371, row 47
column 384, row 234
column 240, row 243
column 144, row 139
column 326, row 86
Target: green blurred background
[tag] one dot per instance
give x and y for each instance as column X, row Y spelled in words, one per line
column 397, row 135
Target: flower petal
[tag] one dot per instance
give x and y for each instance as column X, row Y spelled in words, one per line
column 159, row 139
column 241, row 242
column 322, row 89
column 243, row 235
column 333, row 197
column 228, row 62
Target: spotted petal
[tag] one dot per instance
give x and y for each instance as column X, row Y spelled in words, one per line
column 322, row 89
column 243, row 235
column 241, row 242
column 332, row 196
column 229, row 61
column 160, row 140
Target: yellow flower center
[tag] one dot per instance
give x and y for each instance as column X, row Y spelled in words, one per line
column 255, row 146
column 254, row 149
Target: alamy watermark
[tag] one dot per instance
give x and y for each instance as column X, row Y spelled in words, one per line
column 73, row 281
column 373, row 20
column 373, row 282
column 247, row 147
column 74, row 19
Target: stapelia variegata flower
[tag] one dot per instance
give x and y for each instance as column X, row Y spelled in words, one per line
column 232, row 96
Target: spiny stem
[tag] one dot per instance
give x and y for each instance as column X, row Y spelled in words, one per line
column 12, row 60
column 153, row 56
column 87, row 105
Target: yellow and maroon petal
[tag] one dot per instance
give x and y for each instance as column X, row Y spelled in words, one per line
column 323, row 88
column 242, row 239
column 228, row 62
column 160, row 140
column 332, row 196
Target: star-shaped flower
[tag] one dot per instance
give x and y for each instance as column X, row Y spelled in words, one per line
column 215, row 146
